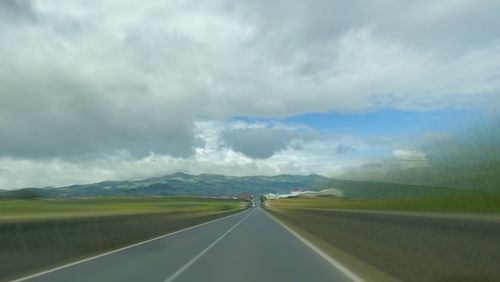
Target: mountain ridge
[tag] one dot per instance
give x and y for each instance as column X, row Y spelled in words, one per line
column 180, row 184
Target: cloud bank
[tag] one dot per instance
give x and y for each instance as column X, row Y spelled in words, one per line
column 84, row 80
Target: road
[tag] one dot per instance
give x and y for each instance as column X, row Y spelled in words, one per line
column 248, row 246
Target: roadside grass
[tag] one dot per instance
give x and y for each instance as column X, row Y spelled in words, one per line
column 464, row 202
column 37, row 234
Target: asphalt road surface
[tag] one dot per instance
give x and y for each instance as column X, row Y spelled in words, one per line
column 248, row 246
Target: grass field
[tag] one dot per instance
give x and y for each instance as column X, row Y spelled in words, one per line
column 36, row 234
column 472, row 202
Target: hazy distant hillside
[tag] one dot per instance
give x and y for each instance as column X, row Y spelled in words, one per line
column 380, row 190
column 220, row 185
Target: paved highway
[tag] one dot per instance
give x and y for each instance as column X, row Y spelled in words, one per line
column 248, row 246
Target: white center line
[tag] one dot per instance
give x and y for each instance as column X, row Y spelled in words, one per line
column 193, row 260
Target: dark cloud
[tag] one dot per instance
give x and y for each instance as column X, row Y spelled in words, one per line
column 343, row 149
column 16, row 11
column 49, row 117
column 258, row 143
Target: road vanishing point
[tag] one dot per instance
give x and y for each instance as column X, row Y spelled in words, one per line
column 247, row 246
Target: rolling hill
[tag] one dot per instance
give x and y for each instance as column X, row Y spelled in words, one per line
column 220, row 185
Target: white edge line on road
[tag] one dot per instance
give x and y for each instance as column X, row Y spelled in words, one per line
column 346, row 271
column 119, row 250
column 193, row 260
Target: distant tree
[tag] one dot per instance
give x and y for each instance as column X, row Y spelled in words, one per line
column 25, row 194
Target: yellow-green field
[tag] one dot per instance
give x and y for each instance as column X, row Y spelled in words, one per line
column 453, row 203
column 43, row 209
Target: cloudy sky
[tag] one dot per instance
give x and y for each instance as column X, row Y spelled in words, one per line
column 94, row 90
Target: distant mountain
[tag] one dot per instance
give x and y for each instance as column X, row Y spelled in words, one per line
column 221, row 185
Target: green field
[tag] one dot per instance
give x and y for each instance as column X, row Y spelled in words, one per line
column 37, row 234
column 471, row 202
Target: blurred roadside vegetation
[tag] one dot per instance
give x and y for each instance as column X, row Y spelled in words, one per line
column 458, row 202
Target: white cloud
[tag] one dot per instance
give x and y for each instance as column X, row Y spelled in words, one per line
column 80, row 80
column 409, row 155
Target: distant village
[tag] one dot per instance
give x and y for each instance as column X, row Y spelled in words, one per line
column 305, row 193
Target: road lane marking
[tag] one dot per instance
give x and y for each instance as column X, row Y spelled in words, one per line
column 120, row 249
column 193, row 260
column 347, row 272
